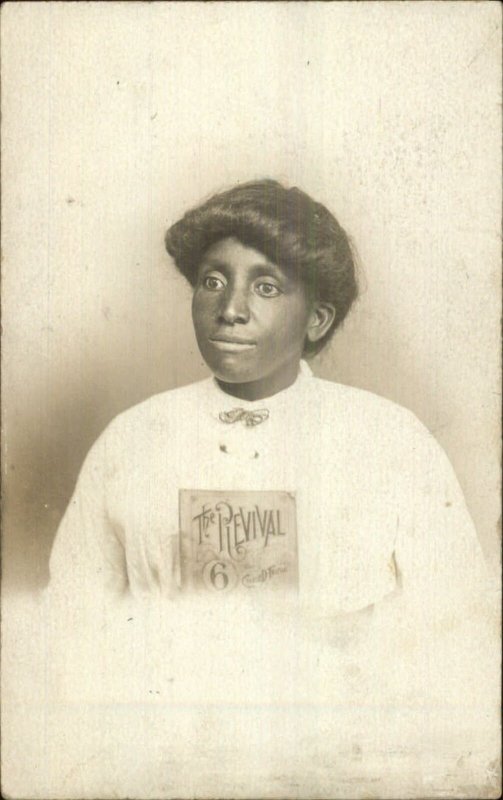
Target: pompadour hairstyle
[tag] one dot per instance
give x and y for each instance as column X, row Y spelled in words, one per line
column 293, row 231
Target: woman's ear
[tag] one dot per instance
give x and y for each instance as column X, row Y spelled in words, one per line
column 320, row 321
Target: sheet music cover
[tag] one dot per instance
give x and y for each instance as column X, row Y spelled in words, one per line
column 238, row 541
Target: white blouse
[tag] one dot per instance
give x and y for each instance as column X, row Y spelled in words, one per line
column 379, row 509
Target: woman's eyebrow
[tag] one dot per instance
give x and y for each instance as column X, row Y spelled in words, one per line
column 267, row 269
column 212, row 263
column 255, row 270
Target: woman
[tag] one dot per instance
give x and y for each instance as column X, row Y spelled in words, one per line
column 317, row 531
column 376, row 502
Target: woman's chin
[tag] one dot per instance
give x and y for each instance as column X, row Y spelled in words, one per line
column 234, row 368
column 234, row 374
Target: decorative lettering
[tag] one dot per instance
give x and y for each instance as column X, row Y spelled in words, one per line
column 236, row 527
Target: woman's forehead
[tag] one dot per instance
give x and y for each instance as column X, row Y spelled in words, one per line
column 231, row 253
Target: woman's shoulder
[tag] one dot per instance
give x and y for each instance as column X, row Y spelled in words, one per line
column 159, row 412
column 369, row 418
column 340, row 398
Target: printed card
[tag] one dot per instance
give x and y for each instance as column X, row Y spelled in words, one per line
column 238, row 541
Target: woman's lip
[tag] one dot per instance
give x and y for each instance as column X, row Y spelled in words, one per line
column 232, row 344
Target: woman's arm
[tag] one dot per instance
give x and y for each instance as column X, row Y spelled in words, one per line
column 88, row 555
column 440, row 563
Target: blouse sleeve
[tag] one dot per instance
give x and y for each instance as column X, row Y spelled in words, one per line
column 440, row 565
column 443, row 645
column 88, row 556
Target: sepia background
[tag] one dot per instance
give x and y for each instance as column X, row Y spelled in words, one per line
column 118, row 117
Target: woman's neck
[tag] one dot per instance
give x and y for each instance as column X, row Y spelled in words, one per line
column 263, row 387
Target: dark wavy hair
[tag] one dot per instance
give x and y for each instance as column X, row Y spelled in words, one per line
column 293, row 231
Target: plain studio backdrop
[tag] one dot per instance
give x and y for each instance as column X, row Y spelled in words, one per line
column 118, row 117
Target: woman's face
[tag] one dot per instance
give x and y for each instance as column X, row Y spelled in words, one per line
column 250, row 320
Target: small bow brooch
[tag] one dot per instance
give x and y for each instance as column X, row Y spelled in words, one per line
column 249, row 418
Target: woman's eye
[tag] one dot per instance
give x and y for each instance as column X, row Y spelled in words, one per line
column 268, row 289
column 213, row 283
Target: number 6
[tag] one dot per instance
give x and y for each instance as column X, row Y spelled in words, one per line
column 218, row 575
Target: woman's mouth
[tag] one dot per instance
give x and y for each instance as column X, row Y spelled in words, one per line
column 232, row 345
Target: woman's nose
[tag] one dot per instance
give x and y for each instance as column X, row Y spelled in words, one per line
column 235, row 307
